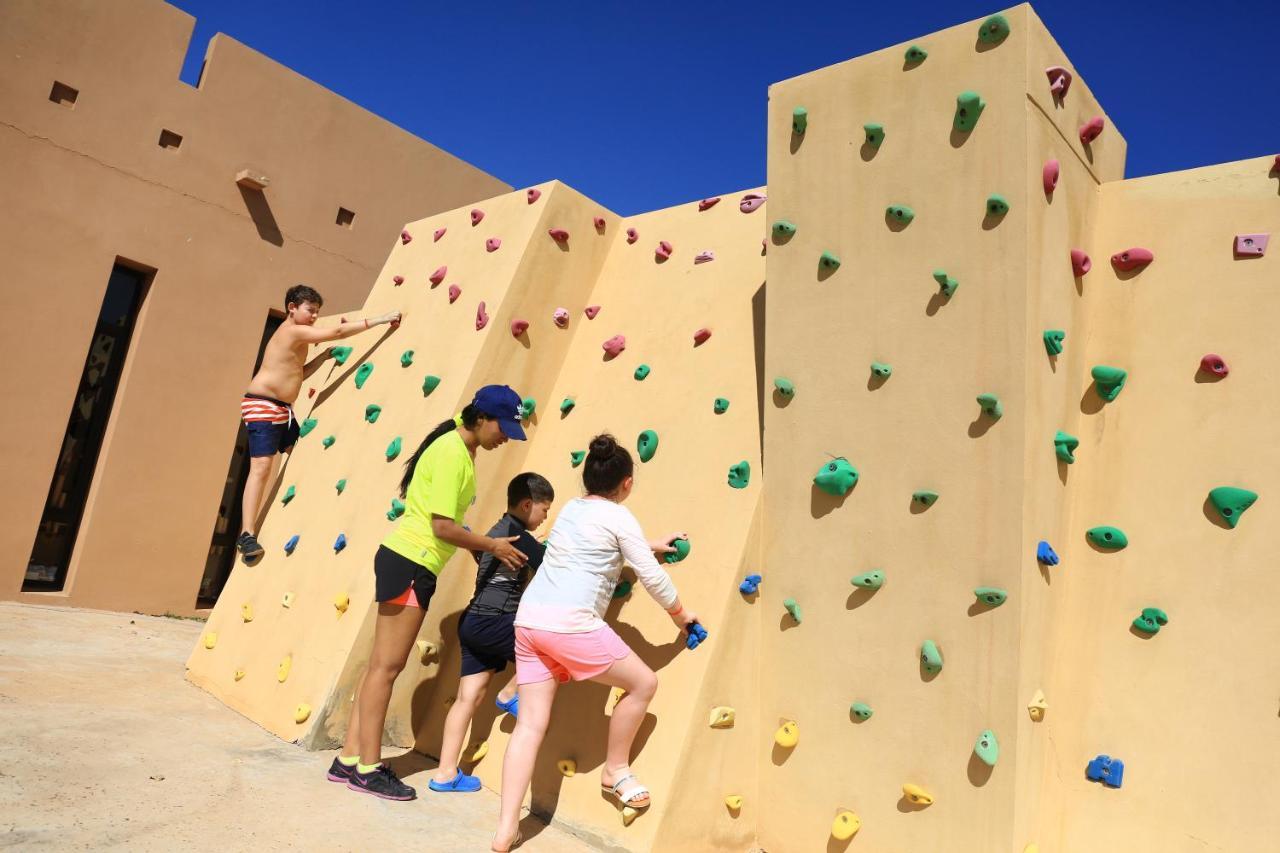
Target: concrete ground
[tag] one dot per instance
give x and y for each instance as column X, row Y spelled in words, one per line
column 105, row 746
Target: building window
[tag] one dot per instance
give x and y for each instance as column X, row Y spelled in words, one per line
column 169, row 139
column 345, row 217
column 63, row 94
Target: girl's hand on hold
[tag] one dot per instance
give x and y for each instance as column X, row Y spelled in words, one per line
column 509, row 554
column 662, row 547
column 683, row 618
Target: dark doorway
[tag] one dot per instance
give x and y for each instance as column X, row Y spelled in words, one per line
column 82, row 442
column 222, row 548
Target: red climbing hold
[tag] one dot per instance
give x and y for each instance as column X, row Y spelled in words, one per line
column 397, row 280
column 615, row 345
column 663, row 250
column 311, row 392
column 1050, row 176
column 1059, row 80
column 476, row 215
column 632, row 235
column 559, row 235
column 519, row 327
column 1251, row 245
column 1132, row 259
column 1080, row 263
column 482, row 319
column 492, row 244
column 591, row 311
column 561, row 317
column 438, row 276
column 708, row 203
column 1214, row 364
column 439, row 233
column 1091, row 131
column 750, row 202
column 1275, row 167
column 703, row 257
column 701, row 336
column 405, row 237
column 533, row 195
column 599, row 223
column 454, row 293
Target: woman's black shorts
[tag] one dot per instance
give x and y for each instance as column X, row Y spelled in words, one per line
column 488, row 641
column 393, row 573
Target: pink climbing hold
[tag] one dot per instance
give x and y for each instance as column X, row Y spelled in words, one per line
column 703, row 257
column 311, row 392
column 591, row 311
column 476, row 215
column 405, row 237
column 559, row 235
column 439, row 233
column 599, row 223
column 561, row 317
column 397, row 280
column 1080, row 263
column 1252, row 245
column 1049, row 175
column 1275, row 167
column 632, row 235
column 519, row 327
column 701, row 336
column 614, row 345
column 482, row 319
column 1092, row 130
column 1132, row 259
column 708, row 203
column 492, row 244
column 750, row 202
column 438, row 276
column 664, row 249
column 1059, row 80
column 454, row 293
column 1214, row 364
column 533, row 195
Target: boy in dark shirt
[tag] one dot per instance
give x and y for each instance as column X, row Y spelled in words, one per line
column 486, row 631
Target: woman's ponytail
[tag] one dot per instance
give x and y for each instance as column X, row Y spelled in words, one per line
column 470, row 417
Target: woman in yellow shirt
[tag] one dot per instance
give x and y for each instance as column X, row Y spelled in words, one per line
column 439, row 484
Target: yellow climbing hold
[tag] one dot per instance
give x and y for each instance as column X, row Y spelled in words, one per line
column 342, row 601
column 301, row 713
column 615, row 696
column 628, row 815
column 246, row 612
column 567, row 767
column 239, row 674
column 1037, row 706
column 282, row 671
column 287, row 600
column 845, row 826
column 426, row 650
column 1031, row 848
column 210, row 640
column 917, row 795
column 722, row 717
column 478, row 750
column 733, row 801
column 787, row 735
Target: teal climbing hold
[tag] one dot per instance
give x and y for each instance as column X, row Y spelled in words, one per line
column 721, row 405
column 289, row 494
column 340, row 354
column 987, row 748
column 829, row 261
column 873, row 579
column 930, row 657
column 566, row 405
column 969, row 106
column 783, row 228
column 924, row 498
column 1053, row 339
column 406, row 358
column 682, row 549
column 1231, row 502
column 884, row 371
column 576, row 457
column 362, row 375
column 916, row 54
column 397, row 509
column 1151, row 620
column 991, row 405
column 784, row 386
column 340, row 485
column 1109, row 538
column 647, row 445
column 799, row 120
column 740, row 475
column 793, row 608
column 992, row 596
column 994, row 30
column 1064, row 446
column 946, row 284
column 900, row 213
column 1110, row 380
column 393, row 449
column 306, row 426
column 371, row 412
column 837, row 477
column 622, row 590
column 527, row 407
column 875, row 134
column 861, row 710
column 997, row 205
column 429, row 384
column 328, row 441
column 641, row 372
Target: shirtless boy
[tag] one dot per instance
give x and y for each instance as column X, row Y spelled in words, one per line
column 267, row 407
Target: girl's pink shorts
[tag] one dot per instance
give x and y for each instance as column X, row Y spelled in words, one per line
column 546, row 654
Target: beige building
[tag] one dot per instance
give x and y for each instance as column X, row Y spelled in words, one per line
column 149, row 232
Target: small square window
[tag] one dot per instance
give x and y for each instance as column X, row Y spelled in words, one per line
column 63, row 94
column 169, row 139
column 345, row 217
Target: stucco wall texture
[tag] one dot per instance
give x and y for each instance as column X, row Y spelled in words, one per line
column 1191, row 710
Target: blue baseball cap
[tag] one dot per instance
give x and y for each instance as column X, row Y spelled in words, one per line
column 504, row 406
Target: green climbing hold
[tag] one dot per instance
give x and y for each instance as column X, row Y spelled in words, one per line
column 1064, row 446
column 362, row 375
column 900, row 213
column 987, row 748
column 861, row 710
column 576, row 457
column 992, row 596
column 783, row 228
column 837, row 477
column 784, row 387
column 406, row 358
column 969, row 105
column 328, row 441
column 371, row 412
column 991, row 406
column 622, row 590
column 924, row 498
column 793, row 608
column 869, row 580
column 682, row 549
column 429, row 384
column 875, row 134
column 721, row 405
column 799, row 120
column 393, row 449
column 306, row 426
column 829, row 261
column 340, row 485
column 930, row 657
column 647, row 445
column 340, row 354
column 916, row 54
column 566, row 405
column 1231, row 502
column 1109, row 381
column 1151, row 620
column 397, row 509
column 884, row 371
column 1110, row 538
column 994, row 30
column 641, row 372
column 740, row 475
column 527, row 407
column 997, row 205
column 946, row 284
column 288, row 495
column 1053, row 339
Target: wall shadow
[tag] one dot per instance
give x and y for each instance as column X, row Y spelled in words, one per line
column 264, row 220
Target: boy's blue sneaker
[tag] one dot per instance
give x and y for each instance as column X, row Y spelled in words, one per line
column 512, row 707
column 461, row 783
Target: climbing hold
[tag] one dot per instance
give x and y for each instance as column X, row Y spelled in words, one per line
column 682, row 548
column 560, row 317
column 1080, row 263
column 701, row 336
column 1053, row 339
column 632, row 235
column 397, row 280
column 750, row 202
column 916, row 54
column 987, row 748
column 969, row 107
column 873, row 579
column 708, row 203
column 454, row 293
column 301, row 713
column 1059, row 81
column 924, row 498
column 476, row 215
column 720, row 406
column 784, row 387
column 371, row 412
column 1251, row 245
column 828, row 261
column 1037, row 706
column 282, row 671
column 697, row 636
column 340, row 485
column 591, row 311
column 306, row 426
column 994, row 30
column 845, row 826
column 1214, row 364
column 567, row 767
column 1045, row 554
column 362, row 375
column 559, row 235
column 239, row 674
column 614, row 345
column 286, row 600
column 566, row 405
column 438, row 234
column 519, row 327
column 328, row 441
column 1151, row 620
column 477, row 751
column 527, row 407
column 429, row 384
column 493, row 244
column 288, row 495
column 1049, row 176
column 406, row 358
column 405, row 238
column 861, row 710
column 664, row 249
column 991, row 406
column 704, row 257
column 397, row 509
column 733, row 802
column 799, row 120
column 438, row 276
column 340, row 542
column 1132, row 259
column 740, row 475
column 793, row 608
column 1064, row 446
column 340, row 354
column 393, row 449
column 1106, row 537
column 930, row 657
column 1231, row 502
column 532, row 195
column 900, row 213
column 1109, row 380
column 946, row 284
column 1107, row 770
column 836, row 477
column 917, row 795
column 622, row 590
column 641, row 372
column 210, row 639
column 991, row 596
column 750, row 584
column 997, row 205
column 883, row 371
column 293, row 540
column 788, row 734
column 426, row 651
column 1091, row 130
column 576, row 457
column 598, row 222
column 482, row 317
column 875, row 134
column 783, row 229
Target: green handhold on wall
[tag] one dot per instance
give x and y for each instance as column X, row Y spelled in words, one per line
column 1231, row 502
column 829, row 262
column 622, row 590
column 969, row 106
column 861, row 710
column 1110, row 538
column 991, row 405
column 930, row 657
column 429, row 384
column 721, row 405
column 992, row 596
column 406, row 358
column 1151, row 620
column 793, row 608
column 576, row 457
column 340, row 354
column 641, row 372
column 837, row 477
column 884, row 371
column 987, row 748
column 527, row 407
column 371, row 412
column 647, row 445
column 397, row 509
column 740, row 475
column 946, row 284
column 289, row 494
column 393, row 449
column 784, row 228
column 900, row 213
column 997, row 205
column 340, row 485
column 1064, row 446
column 799, row 120
column 784, row 386
column 994, row 30
column 1109, row 381
column 916, row 54
column 566, row 405
column 924, row 498
column 1053, row 339
column 873, row 579
column 362, row 374
column 328, row 441
column 875, row 134
column 682, row 549
column 306, row 426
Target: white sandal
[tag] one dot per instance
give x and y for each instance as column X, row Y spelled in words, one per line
column 633, row 794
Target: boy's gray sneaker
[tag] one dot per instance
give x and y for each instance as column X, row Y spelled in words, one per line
column 248, row 547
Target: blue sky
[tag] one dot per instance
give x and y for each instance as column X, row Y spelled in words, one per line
column 646, row 105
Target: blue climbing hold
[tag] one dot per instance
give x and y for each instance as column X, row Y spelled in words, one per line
column 1107, row 770
column 291, row 544
column 697, row 635
column 340, row 542
column 750, row 585
column 1045, row 554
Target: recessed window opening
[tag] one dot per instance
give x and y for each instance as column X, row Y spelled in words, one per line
column 169, row 139
column 345, row 217
column 63, row 94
